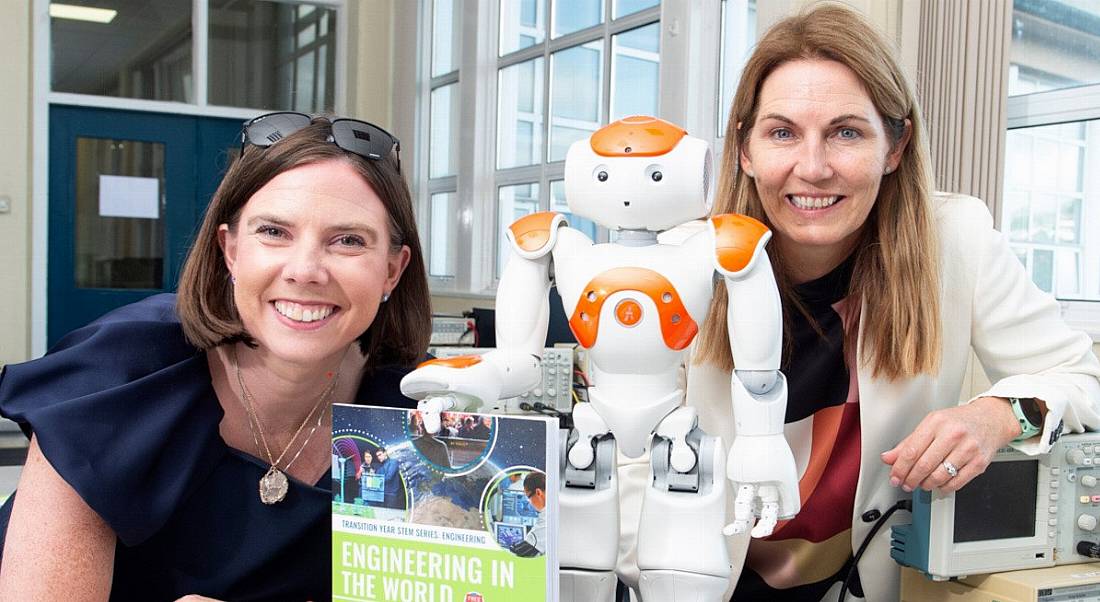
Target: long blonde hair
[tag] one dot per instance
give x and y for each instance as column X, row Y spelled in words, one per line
column 896, row 266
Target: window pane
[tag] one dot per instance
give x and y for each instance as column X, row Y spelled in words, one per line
column 513, row 202
column 1043, row 270
column 1017, row 213
column 576, row 95
column 144, row 52
column 1066, row 271
column 441, row 258
column 272, row 55
column 445, row 24
column 114, row 248
column 738, row 37
column 575, row 15
column 519, row 114
column 1053, row 45
column 634, row 66
column 559, row 204
column 443, row 131
column 627, row 7
column 1052, row 205
column 522, row 24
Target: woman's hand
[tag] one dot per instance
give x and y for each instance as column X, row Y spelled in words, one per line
column 196, row 598
column 964, row 437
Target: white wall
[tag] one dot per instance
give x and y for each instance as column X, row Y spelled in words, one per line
column 15, row 182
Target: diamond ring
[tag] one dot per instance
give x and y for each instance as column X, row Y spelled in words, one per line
column 950, row 468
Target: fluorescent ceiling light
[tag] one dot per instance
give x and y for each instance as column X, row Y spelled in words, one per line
column 82, row 13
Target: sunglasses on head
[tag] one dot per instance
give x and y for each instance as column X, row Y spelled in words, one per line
column 364, row 139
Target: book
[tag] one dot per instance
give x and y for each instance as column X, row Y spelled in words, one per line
column 466, row 515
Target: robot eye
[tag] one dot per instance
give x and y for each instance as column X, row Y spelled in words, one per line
column 656, row 176
column 600, row 173
column 653, row 172
column 602, row 176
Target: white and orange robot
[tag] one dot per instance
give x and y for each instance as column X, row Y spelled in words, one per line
column 636, row 304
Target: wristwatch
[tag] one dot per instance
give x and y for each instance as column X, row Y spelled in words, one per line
column 1028, row 414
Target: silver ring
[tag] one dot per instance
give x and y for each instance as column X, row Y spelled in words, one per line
column 950, row 468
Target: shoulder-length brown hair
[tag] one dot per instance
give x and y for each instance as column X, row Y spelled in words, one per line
column 400, row 331
column 896, row 266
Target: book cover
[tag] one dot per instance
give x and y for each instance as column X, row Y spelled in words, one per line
column 465, row 515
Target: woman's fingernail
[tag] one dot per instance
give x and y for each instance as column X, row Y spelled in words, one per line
column 907, row 489
column 894, row 481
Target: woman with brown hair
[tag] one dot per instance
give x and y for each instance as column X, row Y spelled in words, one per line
column 182, row 445
column 887, row 288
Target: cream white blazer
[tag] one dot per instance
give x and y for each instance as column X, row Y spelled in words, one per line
column 989, row 305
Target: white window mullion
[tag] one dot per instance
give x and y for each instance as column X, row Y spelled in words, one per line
column 200, row 48
column 340, row 86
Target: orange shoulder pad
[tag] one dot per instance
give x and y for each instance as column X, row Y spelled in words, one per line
column 736, row 238
column 459, row 361
column 639, row 136
column 532, row 232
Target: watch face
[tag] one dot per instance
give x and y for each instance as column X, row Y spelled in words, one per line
column 1030, row 407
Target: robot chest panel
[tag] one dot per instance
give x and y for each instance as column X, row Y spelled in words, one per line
column 658, row 293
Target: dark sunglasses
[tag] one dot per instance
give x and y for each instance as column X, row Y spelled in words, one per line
column 364, row 139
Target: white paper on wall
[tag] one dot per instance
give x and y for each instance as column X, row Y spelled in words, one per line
column 128, row 196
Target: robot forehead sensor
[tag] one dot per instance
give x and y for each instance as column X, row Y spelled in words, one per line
column 639, row 135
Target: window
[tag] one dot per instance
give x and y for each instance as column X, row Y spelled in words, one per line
column 738, row 37
column 600, row 62
column 1051, row 207
column 557, row 71
column 443, row 120
column 532, row 78
column 251, row 54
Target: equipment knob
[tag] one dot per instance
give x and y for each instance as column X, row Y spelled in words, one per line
column 1086, row 522
column 1075, row 456
column 1089, row 549
column 551, row 392
column 1088, row 480
column 537, row 392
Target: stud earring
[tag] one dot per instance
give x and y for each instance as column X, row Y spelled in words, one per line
column 749, row 173
column 385, row 297
column 888, row 170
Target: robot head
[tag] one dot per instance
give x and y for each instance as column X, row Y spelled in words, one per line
column 639, row 173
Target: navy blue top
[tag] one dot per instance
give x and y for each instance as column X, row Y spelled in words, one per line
column 124, row 410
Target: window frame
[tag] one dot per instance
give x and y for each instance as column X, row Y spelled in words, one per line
column 1079, row 103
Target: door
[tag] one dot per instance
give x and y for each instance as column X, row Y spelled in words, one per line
column 127, row 192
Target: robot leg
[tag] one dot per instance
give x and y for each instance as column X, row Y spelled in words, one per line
column 589, row 503
column 681, row 550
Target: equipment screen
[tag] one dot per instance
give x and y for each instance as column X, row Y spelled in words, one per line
column 372, row 487
column 509, row 535
column 999, row 503
column 515, row 507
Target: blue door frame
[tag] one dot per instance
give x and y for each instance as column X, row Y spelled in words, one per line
column 196, row 154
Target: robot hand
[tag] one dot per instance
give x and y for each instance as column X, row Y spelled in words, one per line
column 460, row 384
column 762, row 468
column 431, row 407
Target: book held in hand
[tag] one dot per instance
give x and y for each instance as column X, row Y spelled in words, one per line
column 465, row 515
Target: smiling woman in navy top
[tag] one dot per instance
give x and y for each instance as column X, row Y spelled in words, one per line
column 182, row 445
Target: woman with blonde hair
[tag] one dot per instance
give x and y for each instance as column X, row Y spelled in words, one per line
column 887, row 287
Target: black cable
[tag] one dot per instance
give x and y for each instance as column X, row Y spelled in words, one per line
column 906, row 505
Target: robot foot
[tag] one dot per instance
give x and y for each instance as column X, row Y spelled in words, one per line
column 587, row 586
column 681, row 586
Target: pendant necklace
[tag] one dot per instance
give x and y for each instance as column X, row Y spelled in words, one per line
column 274, row 484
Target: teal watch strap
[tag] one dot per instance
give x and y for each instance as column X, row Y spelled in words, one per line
column 1028, row 429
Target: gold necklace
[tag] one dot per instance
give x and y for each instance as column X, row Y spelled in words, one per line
column 274, row 484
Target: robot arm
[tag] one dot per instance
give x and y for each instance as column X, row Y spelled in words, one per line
column 760, row 460
column 522, row 314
